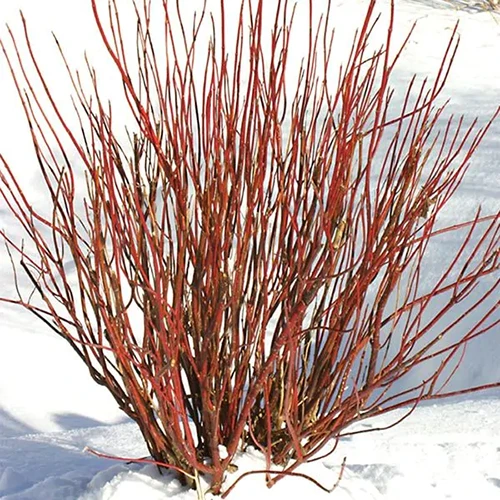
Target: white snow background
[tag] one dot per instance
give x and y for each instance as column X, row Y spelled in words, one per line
column 50, row 410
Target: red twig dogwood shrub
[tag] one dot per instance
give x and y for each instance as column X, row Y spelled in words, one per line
column 269, row 231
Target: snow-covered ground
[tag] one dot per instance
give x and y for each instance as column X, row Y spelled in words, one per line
column 50, row 410
column 445, row 451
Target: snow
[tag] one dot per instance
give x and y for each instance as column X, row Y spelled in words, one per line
column 50, row 411
column 442, row 451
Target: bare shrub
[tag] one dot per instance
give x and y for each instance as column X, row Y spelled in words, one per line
column 270, row 242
